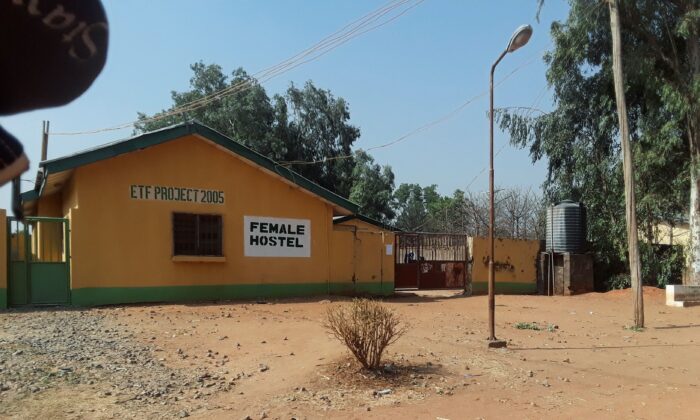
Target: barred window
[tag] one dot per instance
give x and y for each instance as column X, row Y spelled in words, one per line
column 197, row 234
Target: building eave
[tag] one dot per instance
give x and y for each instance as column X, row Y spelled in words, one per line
column 167, row 134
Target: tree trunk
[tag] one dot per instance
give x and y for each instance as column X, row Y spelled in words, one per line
column 693, row 132
column 694, row 220
column 628, row 167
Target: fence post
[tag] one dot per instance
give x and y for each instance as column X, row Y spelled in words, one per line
column 4, row 249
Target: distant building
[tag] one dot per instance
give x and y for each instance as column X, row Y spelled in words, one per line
column 676, row 234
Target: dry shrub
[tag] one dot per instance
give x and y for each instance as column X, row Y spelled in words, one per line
column 366, row 327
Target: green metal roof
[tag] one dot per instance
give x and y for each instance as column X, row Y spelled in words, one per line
column 164, row 135
column 30, row 195
column 377, row 223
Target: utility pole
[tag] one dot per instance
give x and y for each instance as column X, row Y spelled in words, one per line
column 44, row 140
column 520, row 37
column 44, row 149
column 627, row 165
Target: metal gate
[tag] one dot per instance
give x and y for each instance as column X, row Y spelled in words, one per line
column 39, row 261
column 431, row 261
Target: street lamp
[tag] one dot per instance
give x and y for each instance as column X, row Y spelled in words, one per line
column 519, row 38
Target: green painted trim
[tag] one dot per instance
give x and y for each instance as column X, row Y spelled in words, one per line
column 114, row 149
column 93, row 296
column 29, row 196
column 39, row 219
column 3, row 298
column 342, row 219
column 506, row 288
column 273, row 166
column 174, row 132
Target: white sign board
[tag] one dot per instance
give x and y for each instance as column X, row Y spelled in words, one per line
column 276, row 237
column 389, row 249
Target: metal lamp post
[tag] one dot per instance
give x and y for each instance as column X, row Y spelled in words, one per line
column 520, row 37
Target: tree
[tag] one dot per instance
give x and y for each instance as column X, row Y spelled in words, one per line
column 460, row 221
column 246, row 116
column 305, row 125
column 672, row 35
column 520, row 214
column 411, row 213
column 627, row 166
column 320, row 132
column 579, row 137
column 423, row 209
column 372, row 187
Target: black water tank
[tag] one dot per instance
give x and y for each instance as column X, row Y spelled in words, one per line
column 566, row 227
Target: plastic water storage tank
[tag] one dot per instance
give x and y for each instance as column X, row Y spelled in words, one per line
column 566, row 227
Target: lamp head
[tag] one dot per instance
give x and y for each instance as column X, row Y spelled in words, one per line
column 520, row 37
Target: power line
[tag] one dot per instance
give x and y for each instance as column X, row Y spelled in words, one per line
column 448, row 115
column 366, row 23
column 331, row 42
column 530, row 110
column 538, row 98
column 420, row 129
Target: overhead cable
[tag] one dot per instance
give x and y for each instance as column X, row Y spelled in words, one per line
column 371, row 21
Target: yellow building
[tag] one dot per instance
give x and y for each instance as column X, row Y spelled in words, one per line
column 515, row 265
column 667, row 234
column 185, row 213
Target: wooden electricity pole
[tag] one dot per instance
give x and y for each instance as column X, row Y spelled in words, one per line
column 627, row 165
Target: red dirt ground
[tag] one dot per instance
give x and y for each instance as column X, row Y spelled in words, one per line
column 583, row 363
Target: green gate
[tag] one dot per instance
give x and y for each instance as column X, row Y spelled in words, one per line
column 39, row 261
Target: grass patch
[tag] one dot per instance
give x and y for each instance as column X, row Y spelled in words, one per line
column 633, row 328
column 527, row 326
column 535, row 326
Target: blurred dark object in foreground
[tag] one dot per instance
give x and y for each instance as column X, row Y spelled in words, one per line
column 52, row 51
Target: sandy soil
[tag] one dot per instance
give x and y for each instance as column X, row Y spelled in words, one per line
column 277, row 361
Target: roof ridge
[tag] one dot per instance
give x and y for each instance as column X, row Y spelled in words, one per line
column 175, row 131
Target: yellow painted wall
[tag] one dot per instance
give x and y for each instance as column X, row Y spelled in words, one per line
column 50, row 205
column 69, row 197
column 516, row 260
column 373, row 262
column 69, row 206
column 49, row 241
column 679, row 234
column 48, row 245
column 665, row 234
column 121, row 242
column 358, row 251
column 343, row 254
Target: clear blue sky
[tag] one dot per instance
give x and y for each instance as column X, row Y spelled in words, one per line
column 395, row 79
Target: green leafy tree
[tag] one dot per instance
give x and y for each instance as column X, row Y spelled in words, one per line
column 320, row 131
column 424, row 209
column 372, row 187
column 441, row 211
column 304, row 125
column 579, row 138
column 410, row 207
column 245, row 115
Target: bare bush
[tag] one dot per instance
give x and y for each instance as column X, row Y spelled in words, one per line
column 366, row 327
